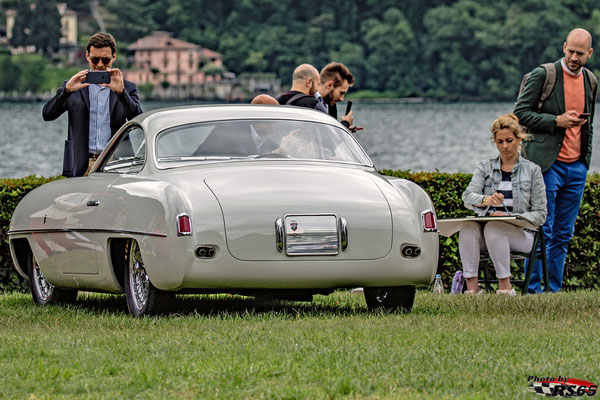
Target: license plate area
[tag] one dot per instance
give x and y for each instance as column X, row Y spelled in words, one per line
column 311, row 235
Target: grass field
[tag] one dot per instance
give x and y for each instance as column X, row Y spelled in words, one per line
column 234, row 348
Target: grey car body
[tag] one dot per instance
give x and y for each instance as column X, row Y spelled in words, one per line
column 175, row 205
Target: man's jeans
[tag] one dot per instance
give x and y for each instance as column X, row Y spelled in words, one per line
column 565, row 183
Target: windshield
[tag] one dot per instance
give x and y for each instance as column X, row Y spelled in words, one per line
column 256, row 139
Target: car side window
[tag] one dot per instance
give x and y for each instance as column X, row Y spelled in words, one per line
column 129, row 155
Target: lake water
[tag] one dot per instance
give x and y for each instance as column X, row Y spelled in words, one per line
column 422, row 137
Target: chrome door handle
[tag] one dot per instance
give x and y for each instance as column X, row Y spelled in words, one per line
column 343, row 233
column 93, row 203
column 279, row 234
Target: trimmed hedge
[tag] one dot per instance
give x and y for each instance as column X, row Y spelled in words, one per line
column 582, row 267
column 11, row 193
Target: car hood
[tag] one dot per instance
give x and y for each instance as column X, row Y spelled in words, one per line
column 253, row 199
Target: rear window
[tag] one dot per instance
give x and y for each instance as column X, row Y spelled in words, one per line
column 257, row 139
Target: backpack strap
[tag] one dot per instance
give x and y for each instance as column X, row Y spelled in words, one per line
column 593, row 81
column 549, row 83
column 295, row 97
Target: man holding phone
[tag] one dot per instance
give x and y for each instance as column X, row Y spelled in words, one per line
column 98, row 102
column 335, row 80
column 561, row 145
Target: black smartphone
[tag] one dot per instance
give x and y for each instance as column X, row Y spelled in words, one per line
column 348, row 107
column 584, row 115
column 98, row 77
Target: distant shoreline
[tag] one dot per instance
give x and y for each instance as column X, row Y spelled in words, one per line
column 33, row 98
column 382, row 100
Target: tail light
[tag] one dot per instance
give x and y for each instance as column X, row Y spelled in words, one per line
column 184, row 225
column 428, row 219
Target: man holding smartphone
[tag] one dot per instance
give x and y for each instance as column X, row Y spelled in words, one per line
column 98, row 102
column 561, row 145
column 335, row 80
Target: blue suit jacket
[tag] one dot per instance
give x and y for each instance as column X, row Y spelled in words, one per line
column 123, row 107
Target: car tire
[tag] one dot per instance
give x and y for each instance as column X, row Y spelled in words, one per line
column 42, row 292
column 400, row 298
column 143, row 298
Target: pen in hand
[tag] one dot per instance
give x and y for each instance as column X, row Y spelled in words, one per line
column 503, row 205
column 496, row 199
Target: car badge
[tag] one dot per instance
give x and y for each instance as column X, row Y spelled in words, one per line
column 294, row 225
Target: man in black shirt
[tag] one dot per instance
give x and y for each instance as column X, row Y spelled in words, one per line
column 304, row 86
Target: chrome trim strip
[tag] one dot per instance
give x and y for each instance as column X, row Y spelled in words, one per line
column 343, row 233
column 423, row 221
column 179, row 233
column 66, row 230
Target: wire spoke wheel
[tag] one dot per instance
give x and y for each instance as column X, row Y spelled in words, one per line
column 42, row 291
column 138, row 279
column 143, row 298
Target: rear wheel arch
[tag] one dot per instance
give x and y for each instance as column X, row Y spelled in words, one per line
column 118, row 257
column 21, row 249
column 42, row 291
column 141, row 296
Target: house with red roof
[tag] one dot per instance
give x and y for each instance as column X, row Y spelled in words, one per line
column 161, row 59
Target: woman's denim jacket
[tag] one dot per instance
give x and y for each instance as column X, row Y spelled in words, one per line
column 529, row 191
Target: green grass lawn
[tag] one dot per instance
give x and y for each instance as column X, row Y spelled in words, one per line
column 234, row 348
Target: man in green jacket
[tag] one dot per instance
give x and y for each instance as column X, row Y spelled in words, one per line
column 561, row 146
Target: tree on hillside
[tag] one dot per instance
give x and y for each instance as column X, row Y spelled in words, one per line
column 21, row 30
column 393, row 61
column 132, row 19
column 46, row 27
column 481, row 50
column 37, row 24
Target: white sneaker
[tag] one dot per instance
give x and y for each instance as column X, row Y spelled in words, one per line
column 476, row 293
column 510, row 292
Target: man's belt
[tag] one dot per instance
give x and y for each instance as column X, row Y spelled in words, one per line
column 94, row 156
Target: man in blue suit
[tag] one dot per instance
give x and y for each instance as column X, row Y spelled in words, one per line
column 95, row 111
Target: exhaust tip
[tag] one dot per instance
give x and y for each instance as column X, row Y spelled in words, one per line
column 205, row 251
column 410, row 251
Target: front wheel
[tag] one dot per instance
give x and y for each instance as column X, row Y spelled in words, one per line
column 42, row 292
column 399, row 298
column 141, row 295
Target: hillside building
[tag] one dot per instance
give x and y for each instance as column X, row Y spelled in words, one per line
column 160, row 59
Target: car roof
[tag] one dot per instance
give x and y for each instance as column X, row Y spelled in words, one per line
column 160, row 119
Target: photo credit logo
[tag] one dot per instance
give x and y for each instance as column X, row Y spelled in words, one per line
column 561, row 386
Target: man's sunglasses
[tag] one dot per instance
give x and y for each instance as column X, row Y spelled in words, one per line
column 96, row 60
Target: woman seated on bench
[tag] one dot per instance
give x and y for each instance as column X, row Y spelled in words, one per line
column 505, row 185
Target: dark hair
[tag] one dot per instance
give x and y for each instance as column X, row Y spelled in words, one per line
column 338, row 73
column 102, row 39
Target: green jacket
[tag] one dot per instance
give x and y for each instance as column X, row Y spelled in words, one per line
column 547, row 137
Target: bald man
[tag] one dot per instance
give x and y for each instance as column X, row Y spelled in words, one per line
column 561, row 144
column 264, row 99
column 304, row 86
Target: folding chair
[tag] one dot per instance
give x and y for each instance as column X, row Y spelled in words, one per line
column 534, row 254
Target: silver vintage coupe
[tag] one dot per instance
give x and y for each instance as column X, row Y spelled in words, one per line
column 246, row 199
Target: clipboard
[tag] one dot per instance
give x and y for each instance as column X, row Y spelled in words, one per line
column 448, row 227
